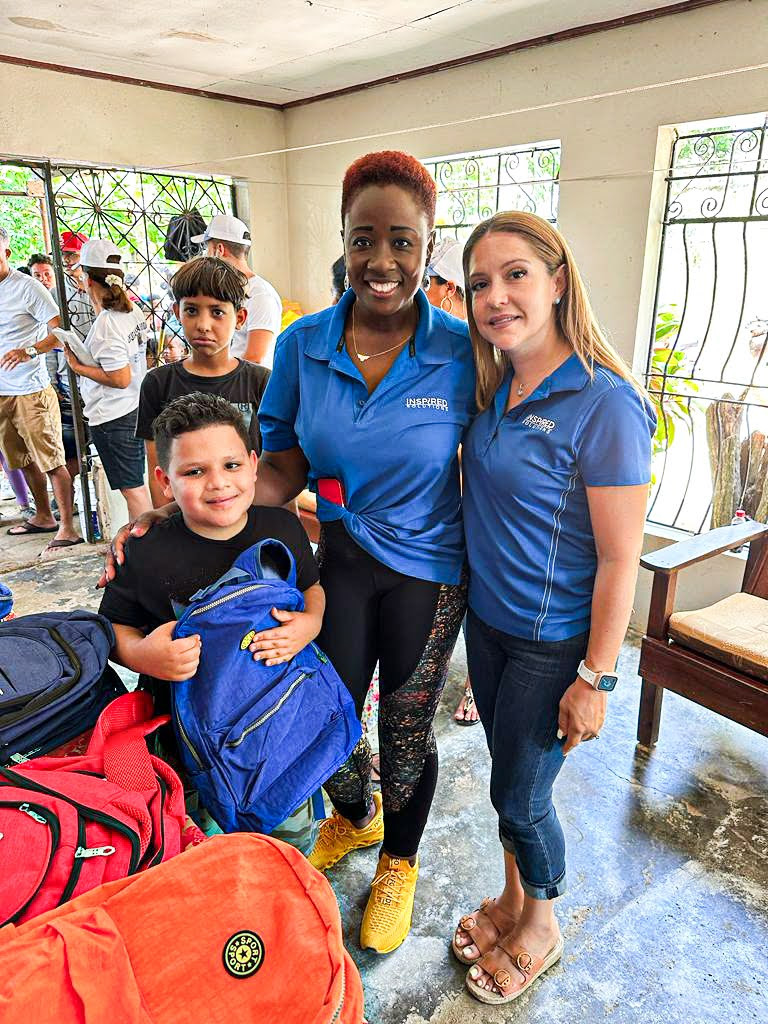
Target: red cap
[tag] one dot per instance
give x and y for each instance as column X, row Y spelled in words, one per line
column 72, row 241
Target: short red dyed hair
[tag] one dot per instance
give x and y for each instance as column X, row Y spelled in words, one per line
column 390, row 167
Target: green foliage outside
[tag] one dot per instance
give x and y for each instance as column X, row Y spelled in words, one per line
column 669, row 387
column 20, row 215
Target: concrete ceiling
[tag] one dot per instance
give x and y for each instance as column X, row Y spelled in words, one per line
column 281, row 51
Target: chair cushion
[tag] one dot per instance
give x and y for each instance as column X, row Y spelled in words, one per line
column 734, row 632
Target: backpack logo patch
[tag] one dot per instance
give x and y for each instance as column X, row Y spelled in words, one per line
column 244, row 643
column 243, row 954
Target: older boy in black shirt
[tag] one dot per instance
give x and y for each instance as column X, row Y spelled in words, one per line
column 210, row 305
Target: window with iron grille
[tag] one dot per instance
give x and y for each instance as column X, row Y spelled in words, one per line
column 473, row 186
column 707, row 367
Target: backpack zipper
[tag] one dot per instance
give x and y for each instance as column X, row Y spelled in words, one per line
column 84, row 811
column 227, row 597
column 268, row 714
column 340, row 1007
column 188, row 743
column 53, row 824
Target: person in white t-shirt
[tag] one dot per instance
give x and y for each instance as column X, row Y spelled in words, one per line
column 111, row 364
column 30, row 423
column 229, row 239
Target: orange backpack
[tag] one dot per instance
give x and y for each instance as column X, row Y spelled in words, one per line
column 240, row 928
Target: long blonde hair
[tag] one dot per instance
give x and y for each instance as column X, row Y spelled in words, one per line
column 575, row 319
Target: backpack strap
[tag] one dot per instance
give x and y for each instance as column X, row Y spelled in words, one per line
column 119, row 738
column 270, row 559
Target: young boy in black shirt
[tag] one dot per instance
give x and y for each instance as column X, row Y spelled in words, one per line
column 206, row 463
column 210, row 305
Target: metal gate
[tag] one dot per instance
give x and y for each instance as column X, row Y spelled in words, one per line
column 133, row 209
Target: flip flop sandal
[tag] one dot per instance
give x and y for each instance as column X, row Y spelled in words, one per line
column 469, row 922
column 28, row 528
column 528, row 968
column 55, row 544
column 469, row 703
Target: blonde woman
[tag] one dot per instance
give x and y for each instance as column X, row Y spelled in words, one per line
column 556, row 472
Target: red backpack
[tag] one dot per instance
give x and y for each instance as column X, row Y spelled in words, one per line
column 242, row 928
column 69, row 824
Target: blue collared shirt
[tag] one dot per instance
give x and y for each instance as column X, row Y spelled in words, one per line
column 531, row 549
column 395, row 450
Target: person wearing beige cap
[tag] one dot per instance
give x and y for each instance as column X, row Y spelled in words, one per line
column 446, row 290
column 229, row 238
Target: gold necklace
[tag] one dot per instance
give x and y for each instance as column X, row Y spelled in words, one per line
column 372, row 355
column 521, row 386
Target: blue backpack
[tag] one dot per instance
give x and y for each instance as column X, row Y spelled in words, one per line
column 257, row 740
column 54, row 680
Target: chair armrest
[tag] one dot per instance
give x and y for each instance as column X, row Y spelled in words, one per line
column 707, row 545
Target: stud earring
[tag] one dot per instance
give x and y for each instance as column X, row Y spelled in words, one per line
column 557, row 300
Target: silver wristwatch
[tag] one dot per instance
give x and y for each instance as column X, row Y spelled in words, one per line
column 605, row 681
column 31, row 351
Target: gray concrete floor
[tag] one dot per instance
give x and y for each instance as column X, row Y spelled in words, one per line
column 666, row 917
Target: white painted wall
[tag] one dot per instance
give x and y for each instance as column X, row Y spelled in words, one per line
column 66, row 117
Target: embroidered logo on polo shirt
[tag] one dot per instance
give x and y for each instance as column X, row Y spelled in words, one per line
column 539, row 423
column 430, row 402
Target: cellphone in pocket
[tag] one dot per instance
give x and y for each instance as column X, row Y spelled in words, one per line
column 331, row 490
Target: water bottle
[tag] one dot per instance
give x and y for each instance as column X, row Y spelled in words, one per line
column 94, row 513
column 740, row 517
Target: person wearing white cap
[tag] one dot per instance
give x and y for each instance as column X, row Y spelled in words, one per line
column 229, row 238
column 111, row 364
column 446, row 278
column 446, row 290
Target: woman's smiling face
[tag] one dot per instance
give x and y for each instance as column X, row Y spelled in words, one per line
column 387, row 241
column 512, row 291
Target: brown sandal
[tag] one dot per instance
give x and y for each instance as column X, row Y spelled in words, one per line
column 503, row 924
column 526, row 967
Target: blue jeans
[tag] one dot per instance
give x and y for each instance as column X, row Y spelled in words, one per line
column 518, row 685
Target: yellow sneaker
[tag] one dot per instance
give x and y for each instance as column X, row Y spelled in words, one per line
column 338, row 837
column 387, row 918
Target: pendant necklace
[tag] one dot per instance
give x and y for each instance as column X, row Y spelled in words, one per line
column 371, row 355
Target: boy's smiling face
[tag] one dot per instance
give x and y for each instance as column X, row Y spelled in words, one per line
column 212, row 477
column 208, row 323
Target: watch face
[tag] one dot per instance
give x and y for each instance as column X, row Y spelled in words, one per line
column 607, row 682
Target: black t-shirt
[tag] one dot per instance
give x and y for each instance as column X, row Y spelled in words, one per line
column 243, row 387
column 171, row 563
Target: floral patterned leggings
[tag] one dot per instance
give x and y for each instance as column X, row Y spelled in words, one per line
column 410, row 627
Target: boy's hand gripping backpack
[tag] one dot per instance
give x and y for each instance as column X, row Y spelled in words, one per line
column 242, row 928
column 257, row 740
column 54, row 679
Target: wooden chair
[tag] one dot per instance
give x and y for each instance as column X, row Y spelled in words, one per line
column 718, row 656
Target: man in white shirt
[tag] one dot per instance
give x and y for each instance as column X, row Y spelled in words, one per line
column 229, row 239
column 30, row 423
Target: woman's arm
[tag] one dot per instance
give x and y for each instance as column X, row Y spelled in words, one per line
column 618, row 523
column 110, row 378
column 281, row 476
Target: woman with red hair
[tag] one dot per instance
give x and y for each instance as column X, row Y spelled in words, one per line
column 368, row 401
column 367, row 404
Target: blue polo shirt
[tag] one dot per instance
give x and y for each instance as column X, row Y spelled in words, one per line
column 395, row 450
column 531, row 550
